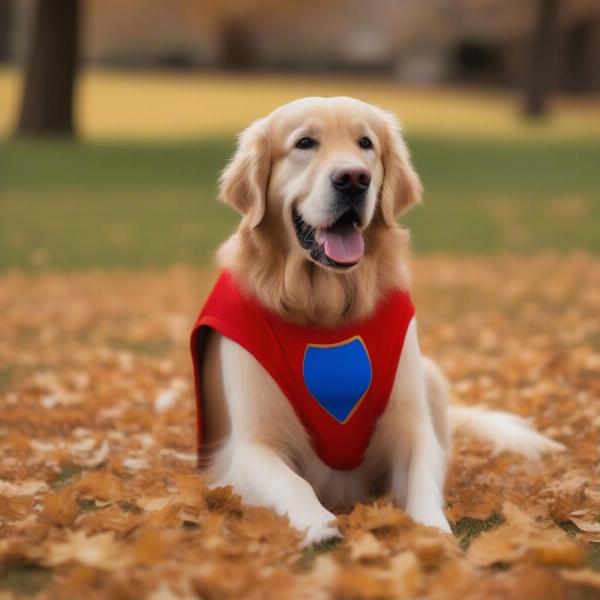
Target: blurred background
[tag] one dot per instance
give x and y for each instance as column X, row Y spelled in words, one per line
column 116, row 117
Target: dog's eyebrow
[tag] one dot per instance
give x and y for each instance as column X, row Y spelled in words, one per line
column 311, row 127
column 362, row 127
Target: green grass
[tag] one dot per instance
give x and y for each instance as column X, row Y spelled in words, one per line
column 467, row 529
column 311, row 553
column 23, row 579
column 67, row 472
column 78, row 205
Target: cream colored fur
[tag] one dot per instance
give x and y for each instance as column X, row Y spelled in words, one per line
column 257, row 444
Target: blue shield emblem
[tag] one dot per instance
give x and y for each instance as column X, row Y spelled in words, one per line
column 338, row 376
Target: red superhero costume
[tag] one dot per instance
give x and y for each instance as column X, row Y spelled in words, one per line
column 338, row 381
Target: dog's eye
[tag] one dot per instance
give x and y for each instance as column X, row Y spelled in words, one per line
column 365, row 143
column 306, row 143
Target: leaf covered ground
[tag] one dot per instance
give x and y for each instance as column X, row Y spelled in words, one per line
column 99, row 497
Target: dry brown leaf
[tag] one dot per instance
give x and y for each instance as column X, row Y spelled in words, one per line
column 170, row 516
column 113, row 518
column 15, row 508
column 155, row 504
column 432, row 551
column 192, row 491
column 362, row 583
column 406, row 574
column 581, row 512
column 365, row 547
column 223, row 499
column 94, row 459
column 560, row 552
column 520, row 537
column 582, row 577
column 17, row 551
column 586, row 525
column 59, row 508
column 164, row 592
column 150, row 547
column 260, row 524
column 101, row 551
column 101, row 485
column 374, row 517
column 29, row 487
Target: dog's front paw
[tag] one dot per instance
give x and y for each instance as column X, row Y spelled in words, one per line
column 434, row 517
column 320, row 534
column 318, row 528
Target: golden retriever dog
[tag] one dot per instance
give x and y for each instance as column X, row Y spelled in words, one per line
column 320, row 184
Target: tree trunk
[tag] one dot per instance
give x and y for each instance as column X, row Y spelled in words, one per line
column 6, row 13
column 47, row 104
column 237, row 46
column 580, row 62
column 537, row 82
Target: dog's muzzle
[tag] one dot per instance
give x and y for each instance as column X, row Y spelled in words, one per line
column 341, row 245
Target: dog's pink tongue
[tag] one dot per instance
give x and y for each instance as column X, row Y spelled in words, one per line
column 344, row 245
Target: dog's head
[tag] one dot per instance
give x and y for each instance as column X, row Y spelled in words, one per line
column 321, row 172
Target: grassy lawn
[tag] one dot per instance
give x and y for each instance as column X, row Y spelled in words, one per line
column 70, row 205
column 493, row 183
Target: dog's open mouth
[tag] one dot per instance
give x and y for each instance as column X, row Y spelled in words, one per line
column 341, row 245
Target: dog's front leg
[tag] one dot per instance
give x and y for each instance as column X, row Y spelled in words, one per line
column 257, row 471
column 263, row 478
column 419, row 465
column 425, row 479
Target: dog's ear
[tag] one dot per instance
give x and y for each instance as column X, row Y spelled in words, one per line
column 243, row 183
column 401, row 188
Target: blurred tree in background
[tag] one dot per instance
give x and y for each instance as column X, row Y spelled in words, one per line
column 6, row 10
column 535, row 46
column 52, row 58
column 238, row 26
column 537, row 83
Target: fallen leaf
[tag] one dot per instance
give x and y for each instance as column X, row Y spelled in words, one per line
column 406, row 574
column 581, row 512
column 520, row 537
column 29, row 487
column 100, row 485
column 365, row 547
column 59, row 508
column 101, row 551
column 150, row 547
column 155, row 504
column 13, row 508
column 586, row 525
column 582, row 577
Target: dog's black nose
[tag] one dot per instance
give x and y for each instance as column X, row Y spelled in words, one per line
column 351, row 180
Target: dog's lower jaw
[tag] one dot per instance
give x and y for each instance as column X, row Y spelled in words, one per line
column 308, row 239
